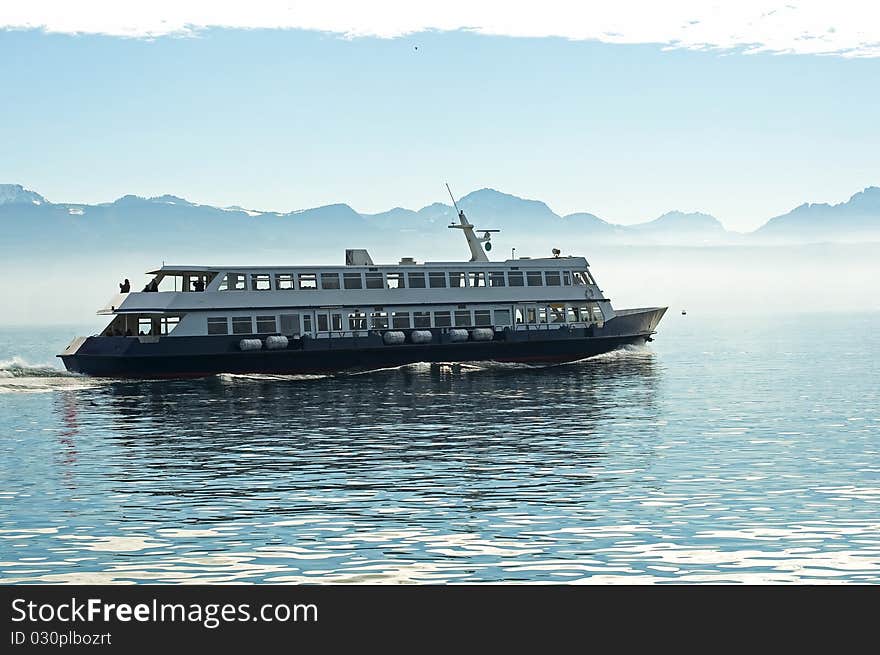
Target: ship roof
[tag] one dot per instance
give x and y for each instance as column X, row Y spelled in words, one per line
column 544, row 262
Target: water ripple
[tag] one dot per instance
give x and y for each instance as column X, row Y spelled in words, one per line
column 720, row 457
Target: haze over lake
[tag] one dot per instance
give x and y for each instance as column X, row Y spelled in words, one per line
column 685, row 260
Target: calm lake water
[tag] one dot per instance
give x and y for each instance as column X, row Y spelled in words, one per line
column 731, row 450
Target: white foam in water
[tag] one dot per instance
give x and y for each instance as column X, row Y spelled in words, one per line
column 18, row 368
column 476, row 367
column 417, row 367
column 268, row 377
column 20, row 376
column 620, row 353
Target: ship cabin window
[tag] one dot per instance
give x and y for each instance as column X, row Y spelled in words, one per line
column 328, row 322
column 515, row 278
column 352, row 281
column 566, row 279
column 234, row 282
column 482, row 317
column 437, row 280
column 266, row 325
column 261, row 282
column 375, row 281
column 496, row 279
column 218, row 325
column 400, row 320
column 329, row 280
column 557, row 313
column 442, row 319
column 396, row 281
column 242, row 325
column 289, row 324
column 571, row 315
column 502, row 317
column 284, row 281
column 458, row 279
column 591, row 313
column 542, row 315
column 416, row 280
column 462, row 318
column 531, row 315
column 379, row 320
column 170, row 282
column 584, row 277
column 357, row 320
column 307, row 323
column 552, row 278
column 518, row 315
column 308, row 281
column 194, row 282
column 534, row 278
column 421, row 319
column 477, row 278
column 168, row 323
column 145, row 326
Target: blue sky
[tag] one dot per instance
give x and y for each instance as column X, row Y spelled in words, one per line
column 286, row 119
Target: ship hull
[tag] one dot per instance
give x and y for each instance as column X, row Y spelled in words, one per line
column 170, row 357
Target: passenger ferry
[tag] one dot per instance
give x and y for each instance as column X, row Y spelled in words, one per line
column 193, row 321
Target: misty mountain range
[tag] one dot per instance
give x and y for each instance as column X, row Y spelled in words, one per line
column 168, row 224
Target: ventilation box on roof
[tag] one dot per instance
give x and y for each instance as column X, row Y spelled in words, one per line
column 358, row 257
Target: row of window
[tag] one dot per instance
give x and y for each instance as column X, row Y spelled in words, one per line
column 338, row 321
column 399, row 280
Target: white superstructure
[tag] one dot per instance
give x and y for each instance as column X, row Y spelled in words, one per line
column 326, row 301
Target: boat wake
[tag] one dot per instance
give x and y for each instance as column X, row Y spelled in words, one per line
column 268, row 377
column 20, row 376
column 622, row 353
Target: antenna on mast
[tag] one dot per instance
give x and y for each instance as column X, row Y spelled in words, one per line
column 454, row 204
column 474, row 242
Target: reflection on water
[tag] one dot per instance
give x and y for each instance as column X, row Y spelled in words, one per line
column 629, row 467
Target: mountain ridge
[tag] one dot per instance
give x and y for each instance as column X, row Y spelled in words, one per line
column 15, row 194
column 858, row 218
column 861, row 214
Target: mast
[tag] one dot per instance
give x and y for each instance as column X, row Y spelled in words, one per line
column 474, row 242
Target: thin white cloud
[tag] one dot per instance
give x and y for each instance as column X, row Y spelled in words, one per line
column 848, row 28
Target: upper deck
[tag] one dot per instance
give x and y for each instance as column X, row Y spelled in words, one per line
column 206, row 288
column 361, row 284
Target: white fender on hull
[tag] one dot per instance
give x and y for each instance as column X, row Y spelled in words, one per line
column 393, row 338
column 250, row 344
column 483, row 334
column 458, row 335
column 276, row 342
column 421, row 336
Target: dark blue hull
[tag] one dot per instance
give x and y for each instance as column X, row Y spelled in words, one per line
column 171, row 357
